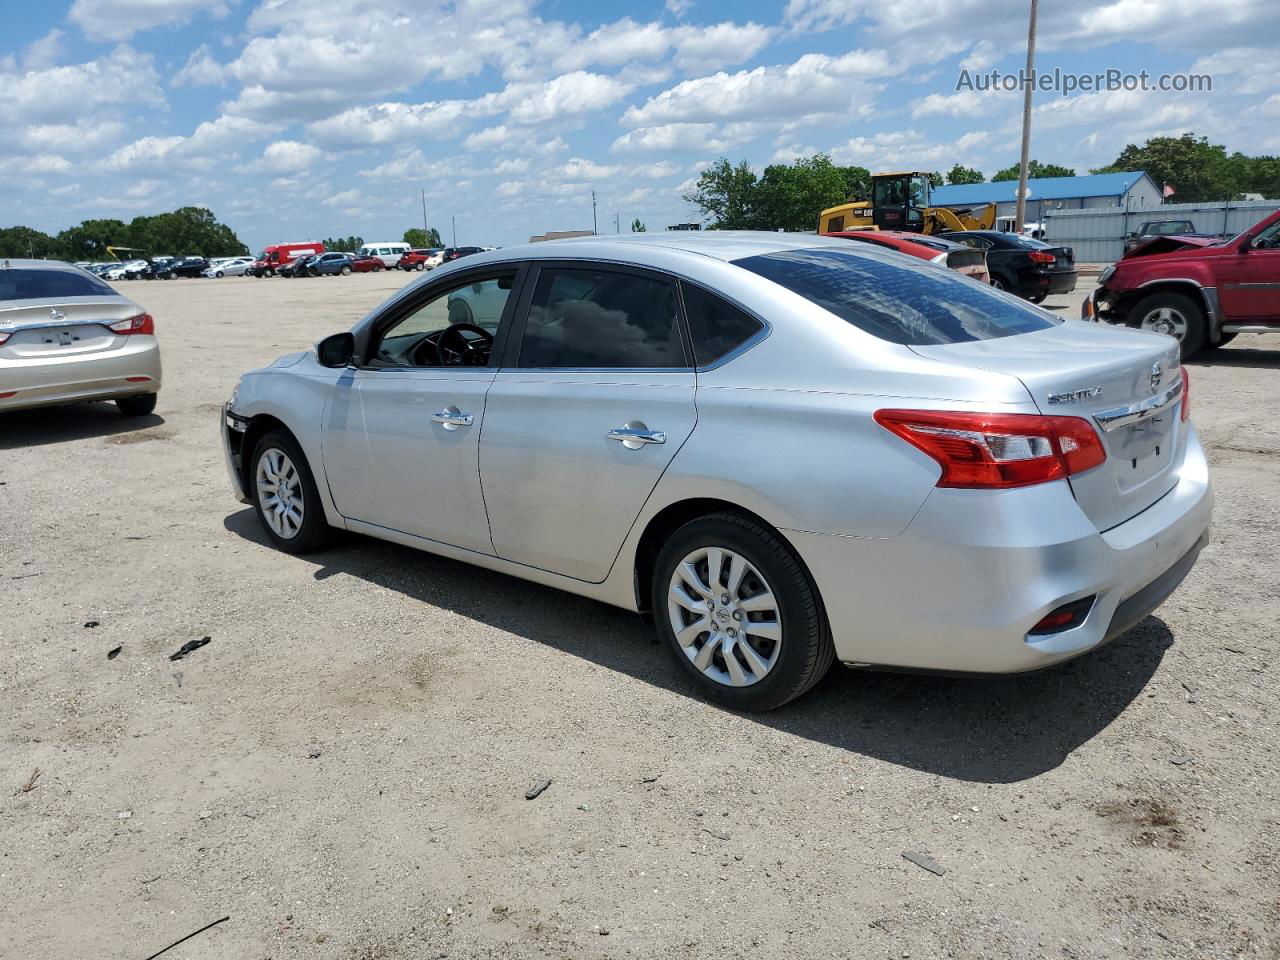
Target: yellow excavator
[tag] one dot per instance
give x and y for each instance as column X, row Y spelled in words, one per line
column 900, row 201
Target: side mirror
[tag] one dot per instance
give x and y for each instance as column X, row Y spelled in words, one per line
column 336, row 351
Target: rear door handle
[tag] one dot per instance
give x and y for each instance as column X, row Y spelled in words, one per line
column 453, row 418
column 635, row 436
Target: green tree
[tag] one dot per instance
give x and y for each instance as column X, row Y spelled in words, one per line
column 637, row 226
column 857, row 182
column 420, row 239
column 187, row 230
column 726, row 194
column 26, row 242
column 1035, row 169
column 790, row 196
column 1195, row 168
column 961, row 174
column 935, row 179
column 348, row 244
column 90, row 239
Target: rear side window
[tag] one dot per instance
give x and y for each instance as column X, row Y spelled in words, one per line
column 598, row 318
column 715, row 326
column 899, row 302
column 20, row 284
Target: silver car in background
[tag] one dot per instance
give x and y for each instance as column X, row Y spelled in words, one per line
column 790, row 449
column 227, row 267
column 66, row 337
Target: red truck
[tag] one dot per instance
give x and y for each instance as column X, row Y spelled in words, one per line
column 1202, row 291
column 279, row 255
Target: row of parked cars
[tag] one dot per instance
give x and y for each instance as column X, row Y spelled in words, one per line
column 282, row 261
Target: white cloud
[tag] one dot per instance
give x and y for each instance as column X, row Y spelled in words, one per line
column 67, row 93
column 89, row 135
column 670, row 138
column 516, row 139
column 1242, row 64
column 201, row 70
column 390, row 123
column 815, row 82
column 569, row 95
column 45, row 52
column 121, row 19
column 347, row 198
column 42, row 163
column 288, row 157
column 965, row 103
column 202, row 150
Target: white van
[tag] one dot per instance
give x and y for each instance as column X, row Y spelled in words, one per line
column 388, row 253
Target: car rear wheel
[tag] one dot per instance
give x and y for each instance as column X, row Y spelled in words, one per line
column 138, row 406
column 420, row 267
column 998, row 283
column 219, row 274
column 1171, row 313
column 346, row 271
column 377, row 268
column 285, row 496
column 738, row 612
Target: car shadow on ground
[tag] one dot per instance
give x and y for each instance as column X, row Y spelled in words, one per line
column 981, row 729
column 1236, row 356
column 81, row 421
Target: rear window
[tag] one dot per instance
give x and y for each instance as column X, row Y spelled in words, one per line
column 899, row 302
column 24, row 284
column 1031, row 243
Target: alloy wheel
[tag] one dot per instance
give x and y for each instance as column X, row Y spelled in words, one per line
column 1166, row 320
column 725, row 616
column 280, row 493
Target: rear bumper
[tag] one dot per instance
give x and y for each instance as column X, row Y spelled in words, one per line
column 48, row 381
column 962, row 587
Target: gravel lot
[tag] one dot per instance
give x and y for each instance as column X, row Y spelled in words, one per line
column 342, row 769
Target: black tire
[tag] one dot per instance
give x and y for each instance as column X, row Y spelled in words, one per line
column 998, row 282
column 314, row 531
column 377, row 268
column 139, row 406
column 219, row 274
column 345, row 271
column 420, row 267
column 1196, row 333
column 806, row 652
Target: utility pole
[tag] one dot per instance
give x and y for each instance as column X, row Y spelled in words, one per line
column 1020, row 211
column 617, row 224
column 594, row 228
column 454, row 221
column 425, row 228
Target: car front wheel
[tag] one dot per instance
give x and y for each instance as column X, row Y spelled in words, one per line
column 739, row 613
column 285, row 495
column 1173, row 314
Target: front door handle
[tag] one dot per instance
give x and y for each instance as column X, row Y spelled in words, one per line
column 453, row 418
column 635, row 435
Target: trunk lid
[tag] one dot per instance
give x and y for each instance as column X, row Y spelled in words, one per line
column 1064, row 259
column 70, row 327
column 971, row 263
column 1126, row 383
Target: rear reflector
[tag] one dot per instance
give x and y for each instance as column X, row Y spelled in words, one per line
column 142, row 323
column 1186, row 392
column 4, row 337
column 998, row 450
column 1064, row 618
column 137, row 379
column 6, row 396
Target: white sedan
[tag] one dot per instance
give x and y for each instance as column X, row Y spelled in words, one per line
column 790, row 449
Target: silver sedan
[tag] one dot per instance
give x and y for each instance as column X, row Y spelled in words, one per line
column 789, row 449
column 66, row 337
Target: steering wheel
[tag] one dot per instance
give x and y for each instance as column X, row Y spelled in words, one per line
column 454, row 349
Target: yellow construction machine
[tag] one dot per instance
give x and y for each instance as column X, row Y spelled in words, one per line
column 900, row 201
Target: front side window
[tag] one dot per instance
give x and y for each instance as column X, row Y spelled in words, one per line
column 454, row 328
column 902, row 303
column 580, row 317
column 716, row 327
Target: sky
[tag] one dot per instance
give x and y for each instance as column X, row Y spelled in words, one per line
column 303, row 119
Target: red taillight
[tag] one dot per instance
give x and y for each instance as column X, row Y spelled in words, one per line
column 1039, row 256
column 993, row 450
column 1186, row 392
column 142, row 323
column 4, row 337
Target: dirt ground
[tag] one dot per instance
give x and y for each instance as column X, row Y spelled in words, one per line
column 342, row 769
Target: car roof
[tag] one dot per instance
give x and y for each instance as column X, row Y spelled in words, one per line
column 727, row 245
column 17, row 263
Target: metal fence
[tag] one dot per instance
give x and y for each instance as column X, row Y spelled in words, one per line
column 1097, row 234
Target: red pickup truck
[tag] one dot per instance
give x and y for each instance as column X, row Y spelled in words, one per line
column 1202, row 291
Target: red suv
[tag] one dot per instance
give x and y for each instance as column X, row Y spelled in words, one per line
column 1199, row 290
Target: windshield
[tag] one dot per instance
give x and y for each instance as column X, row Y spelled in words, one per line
column 21, row 284
column 905, row 303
